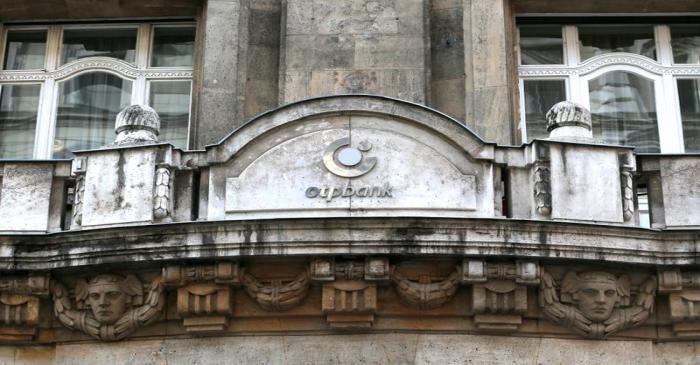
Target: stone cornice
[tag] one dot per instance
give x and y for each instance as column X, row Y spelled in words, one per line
column 350, row 237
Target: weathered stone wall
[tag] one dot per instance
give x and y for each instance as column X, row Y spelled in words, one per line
column 356, row 46
column 405, row 348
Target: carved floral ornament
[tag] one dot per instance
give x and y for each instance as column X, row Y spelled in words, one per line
column 108, row 307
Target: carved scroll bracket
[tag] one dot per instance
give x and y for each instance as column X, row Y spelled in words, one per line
column 350, row 289
column 683, row 289
column 20, row 300
column 204, row 294
column 499, row 292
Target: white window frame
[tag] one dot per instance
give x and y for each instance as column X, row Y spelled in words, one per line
column 663, row 72
column 140, row 73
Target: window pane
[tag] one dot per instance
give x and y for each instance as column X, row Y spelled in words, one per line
column 541, row 45
column 600, row 39
column 540, row 96
column 87, row 108
column 25, row 50
column 111, row 42
column 173, row 47
column 689, row 97
column 18, row 112
column 624, row 110
column 685, row 40
column 171, row 99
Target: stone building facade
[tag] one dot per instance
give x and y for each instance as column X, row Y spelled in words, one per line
column 316, row 181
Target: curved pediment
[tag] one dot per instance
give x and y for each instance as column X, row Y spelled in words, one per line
column 440, row 124
column 350, row 156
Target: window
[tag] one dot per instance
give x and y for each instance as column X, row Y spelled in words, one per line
column 61, row 86
column 640, row 81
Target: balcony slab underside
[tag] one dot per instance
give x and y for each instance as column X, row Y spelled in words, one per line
column 314, row 237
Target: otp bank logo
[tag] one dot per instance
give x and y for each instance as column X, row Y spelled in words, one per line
column 345, row 161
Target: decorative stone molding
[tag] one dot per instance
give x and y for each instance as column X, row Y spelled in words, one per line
column 627, row 186
column 78, row 170
column 136, row 125
column 349, row 304
column 121, row 68
column 108, row 307
column 542, row 183
column 499, row 292
column 683, row 289
column 372, row 269
column 569, row 121
column 161, row 193
column 277, row 295
column 204, row 294
column 20, row 301
column 596, row 304
column 609, row 59
column 568, row 113
column 426, row 293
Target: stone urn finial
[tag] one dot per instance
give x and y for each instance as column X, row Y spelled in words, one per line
column 569, row 121
column 137, row 124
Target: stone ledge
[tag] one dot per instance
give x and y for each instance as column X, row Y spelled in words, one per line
column 350, row 236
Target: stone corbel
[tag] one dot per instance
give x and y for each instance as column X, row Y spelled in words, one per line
column 204, row 294
column 683, row 289
column 499, row 292
column 596, row 304
column 20, row 300
column 350, row 290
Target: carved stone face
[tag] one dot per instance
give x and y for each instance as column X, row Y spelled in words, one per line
column 107, row 300
column 597, row 297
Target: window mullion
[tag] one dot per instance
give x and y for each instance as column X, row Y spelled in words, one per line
column 670, row 127
column 663, row 44
column 571, row 45
column 54, row 38
column 523, row 116
column 138, row 91
column 45, row 123
column 143, row 44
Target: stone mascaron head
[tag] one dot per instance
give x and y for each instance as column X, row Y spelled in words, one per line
column 109, row 296
column 595, row 293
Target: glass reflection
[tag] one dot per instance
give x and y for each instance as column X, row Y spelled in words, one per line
column 689, row 98
column 540, row 96
column 173, row 47
column 107, row 42
column 601, row 39
column 25, row 50
column 623, row 110
column 18, row 112
column 541, row 45
column 171, row 99
column 87, row 107
column 685, row 41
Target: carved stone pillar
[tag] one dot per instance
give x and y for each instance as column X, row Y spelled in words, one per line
column 350, row 290
column 499, row 292
column 19, row 306
column 204, row 294
column 683, row 290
